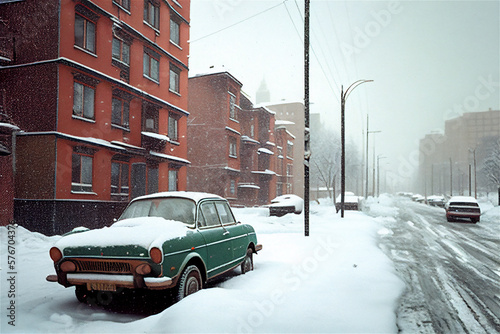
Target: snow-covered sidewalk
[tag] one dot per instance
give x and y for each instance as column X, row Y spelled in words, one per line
column 335, row 280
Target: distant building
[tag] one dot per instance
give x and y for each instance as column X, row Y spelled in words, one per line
column 293, row 112
column 463, row 137
column 236, row 150
column 99, row 91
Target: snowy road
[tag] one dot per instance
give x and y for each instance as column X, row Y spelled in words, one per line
column 452, row 270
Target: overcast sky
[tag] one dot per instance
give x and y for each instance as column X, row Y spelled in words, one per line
column 430, row 60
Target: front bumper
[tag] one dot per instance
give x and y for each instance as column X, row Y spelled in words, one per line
column 123, row 281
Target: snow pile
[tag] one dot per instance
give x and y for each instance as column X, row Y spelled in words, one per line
column 335, row 280
column 381, row 206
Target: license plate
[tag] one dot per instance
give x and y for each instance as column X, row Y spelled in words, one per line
column 101, row 286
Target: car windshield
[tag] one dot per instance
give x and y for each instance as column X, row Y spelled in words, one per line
column 179, row 209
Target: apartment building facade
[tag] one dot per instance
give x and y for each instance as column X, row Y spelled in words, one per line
column 445, row 157
column 236, row 150
column 98, row 90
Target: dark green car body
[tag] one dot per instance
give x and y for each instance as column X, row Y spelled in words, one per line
column 156, row 240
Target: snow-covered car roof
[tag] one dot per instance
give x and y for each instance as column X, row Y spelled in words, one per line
column 435, row 198
column 195, row 196
column 288, row 199
column 463, row 199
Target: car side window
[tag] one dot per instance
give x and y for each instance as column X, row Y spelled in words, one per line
column 225, row 213
column 209, row 213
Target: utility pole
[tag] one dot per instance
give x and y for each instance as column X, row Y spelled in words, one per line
column 307, row 153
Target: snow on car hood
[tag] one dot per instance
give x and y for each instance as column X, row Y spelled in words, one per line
column 144, row 232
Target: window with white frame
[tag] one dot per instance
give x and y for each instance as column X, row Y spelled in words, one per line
column 83, row 100
column 85, row 33
column 151, row 66
column 232, row 107
column 289, row 149
column 232, row 187
column 152, row 13
column 175, row 31
column 81, row 175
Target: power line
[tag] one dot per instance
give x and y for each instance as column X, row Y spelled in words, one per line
column 234, row 24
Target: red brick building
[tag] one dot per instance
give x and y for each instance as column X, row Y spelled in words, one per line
column 235, row 149
column 99, row 91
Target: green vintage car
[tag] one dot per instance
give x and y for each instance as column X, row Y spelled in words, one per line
column 169, row 240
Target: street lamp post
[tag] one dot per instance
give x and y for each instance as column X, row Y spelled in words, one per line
column 343, row 98
column 378, row 173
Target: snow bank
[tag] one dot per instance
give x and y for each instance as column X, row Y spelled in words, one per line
column 335, row 280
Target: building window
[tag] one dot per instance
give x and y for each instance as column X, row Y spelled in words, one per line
column 120, row 110
column 150, row 119
column 84, row 33
column 152, row 13
column 232, row 187
column 252, row 130
column 123, row 3
column 151, row 67
column 289, row 149
column 232, row 107
column 120, row 180
column 173, row 126
column 174, row 31
column 83, row 100
column 121, row 51
column 174, row 79
column 81, row 175
column 172, row 180
column 232, row 147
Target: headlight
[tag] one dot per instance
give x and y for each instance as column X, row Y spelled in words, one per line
column 55, row 254
column 156, row 255
column 67, row 266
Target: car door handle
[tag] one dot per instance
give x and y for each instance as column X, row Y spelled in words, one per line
column 225, row 233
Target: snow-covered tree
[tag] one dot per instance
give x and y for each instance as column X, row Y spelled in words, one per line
column 490, row 167
column 326, row 158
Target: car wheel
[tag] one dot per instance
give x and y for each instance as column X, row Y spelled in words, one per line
column 189, row 283
column 247, row 264
column 84, row 296
column 474, row 220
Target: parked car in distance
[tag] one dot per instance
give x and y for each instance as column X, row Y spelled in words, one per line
column 418, row 198
column 284, row 204
column 351, row 201
column 462, row 207
column 436, row 200
column 170, row 240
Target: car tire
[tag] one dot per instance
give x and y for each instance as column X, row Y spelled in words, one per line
column 247, row 264
column 189, row 283
column 85, row 296
column 474, row 220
